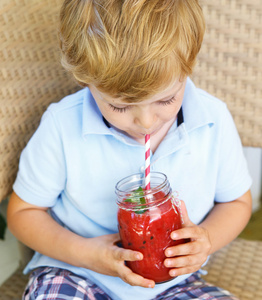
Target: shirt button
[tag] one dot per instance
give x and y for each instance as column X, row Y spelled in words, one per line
column 142, row 169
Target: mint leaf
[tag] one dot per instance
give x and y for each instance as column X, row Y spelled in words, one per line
column 142, row 200
column 136, row 200
column 140, row 191
column 129, row 200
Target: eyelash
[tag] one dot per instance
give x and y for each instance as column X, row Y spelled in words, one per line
column 118, row 109
column 124, row 109
column 168, row 102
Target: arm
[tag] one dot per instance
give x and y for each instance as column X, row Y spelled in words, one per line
column 33, row 226
column 226, row 221
column 221, row 226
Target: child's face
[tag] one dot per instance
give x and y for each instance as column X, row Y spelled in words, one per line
column 153, row 116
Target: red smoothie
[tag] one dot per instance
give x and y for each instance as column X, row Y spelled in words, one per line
column 148, row 231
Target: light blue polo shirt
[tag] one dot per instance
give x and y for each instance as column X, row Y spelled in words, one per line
column 73, row 161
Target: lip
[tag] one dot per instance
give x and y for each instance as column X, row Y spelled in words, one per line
column 149, row 133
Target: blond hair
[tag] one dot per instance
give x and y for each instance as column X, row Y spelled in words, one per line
column 130, row 48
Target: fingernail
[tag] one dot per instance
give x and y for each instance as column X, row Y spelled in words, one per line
column 173, row 236
column 151, row 285
column 168, row 263
column 139, row 257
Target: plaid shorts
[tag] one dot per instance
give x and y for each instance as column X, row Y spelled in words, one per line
column 53, row 283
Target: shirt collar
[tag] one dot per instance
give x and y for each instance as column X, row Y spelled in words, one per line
column 194, row 111
column 92, row 121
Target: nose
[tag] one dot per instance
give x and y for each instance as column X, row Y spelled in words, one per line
column 145, row 118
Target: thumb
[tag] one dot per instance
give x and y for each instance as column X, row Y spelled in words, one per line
column 114, row 238
column 186, row 222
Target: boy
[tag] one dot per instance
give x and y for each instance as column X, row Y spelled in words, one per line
column 134, row 57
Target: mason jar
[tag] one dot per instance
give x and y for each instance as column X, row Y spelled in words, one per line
column 146, row 219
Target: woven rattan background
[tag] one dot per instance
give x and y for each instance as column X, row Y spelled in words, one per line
column 230, row 62
column 238, row 268
column 31, row 76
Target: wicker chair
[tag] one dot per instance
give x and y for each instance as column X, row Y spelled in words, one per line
column 229, row 67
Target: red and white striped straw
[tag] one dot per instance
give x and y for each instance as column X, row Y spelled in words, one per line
column 147, row 167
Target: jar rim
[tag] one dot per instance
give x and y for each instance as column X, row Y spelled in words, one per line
column 140, row 176
column 133, row 184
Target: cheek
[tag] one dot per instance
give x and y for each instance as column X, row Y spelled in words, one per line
column 111, row 116
column 119, row 120
column 168, row 113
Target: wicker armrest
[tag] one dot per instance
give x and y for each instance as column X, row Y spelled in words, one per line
column 238, row 268
column 13, row 287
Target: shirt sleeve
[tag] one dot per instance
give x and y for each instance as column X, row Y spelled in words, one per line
column 233, row 178
column 42, row 170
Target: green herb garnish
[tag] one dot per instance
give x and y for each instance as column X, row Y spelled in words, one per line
column 138, row 200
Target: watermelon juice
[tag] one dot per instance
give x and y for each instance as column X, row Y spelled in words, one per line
column 146, row 220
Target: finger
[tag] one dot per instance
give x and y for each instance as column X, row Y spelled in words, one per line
column 127, row 255
column 183, row 271
column 184, row 261
column 136, row 280
column 188, row 233
column 189, row 248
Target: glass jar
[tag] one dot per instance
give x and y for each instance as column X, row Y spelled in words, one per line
column 146, row 219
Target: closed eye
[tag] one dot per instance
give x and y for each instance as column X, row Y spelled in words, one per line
column 125, row 108
column 168, row 102
column 118, row 109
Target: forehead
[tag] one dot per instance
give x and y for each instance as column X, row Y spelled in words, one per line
column 163, row 94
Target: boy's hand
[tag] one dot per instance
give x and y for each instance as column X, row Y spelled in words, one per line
column 188, row 257
column 109, row 259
